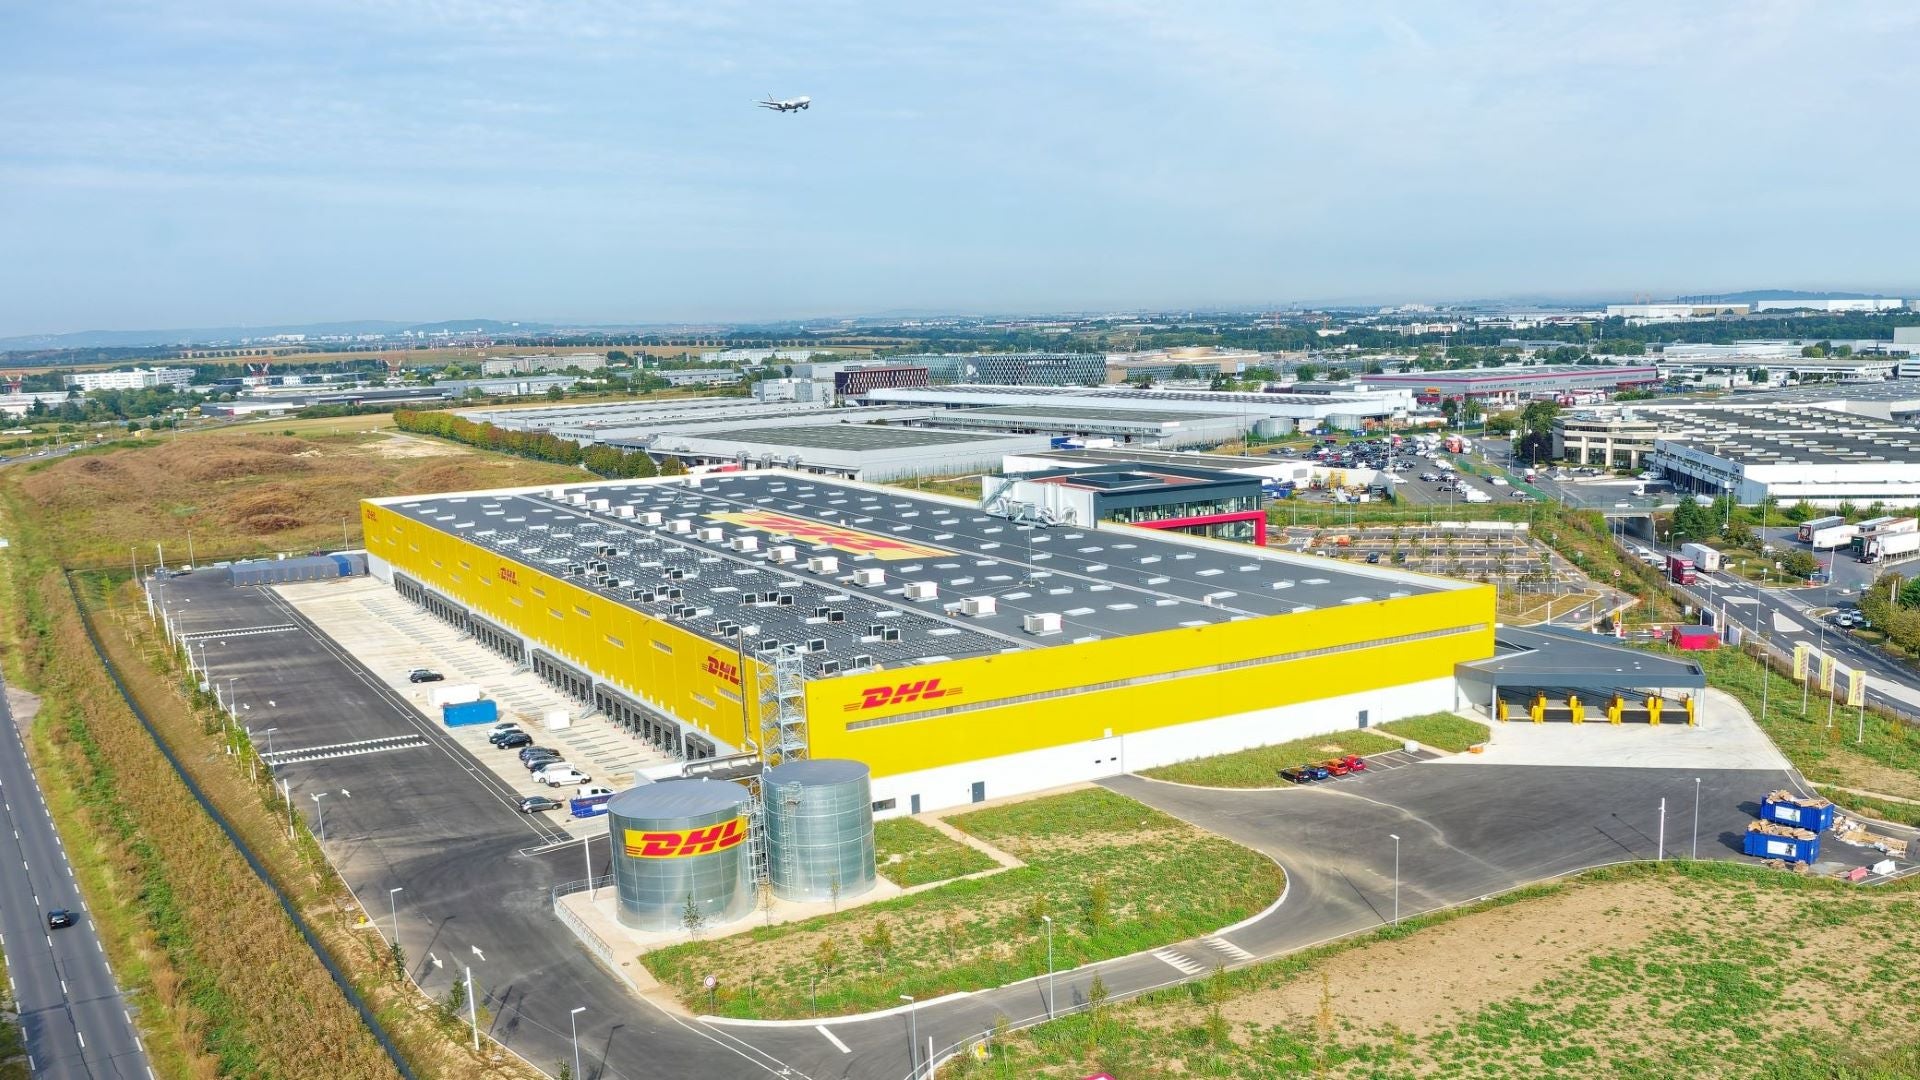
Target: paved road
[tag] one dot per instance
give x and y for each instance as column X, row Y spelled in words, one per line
column 76, row 1022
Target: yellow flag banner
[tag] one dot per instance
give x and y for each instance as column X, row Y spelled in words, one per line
column 1800, row 655
column 1856, row 687
column 1827, row 667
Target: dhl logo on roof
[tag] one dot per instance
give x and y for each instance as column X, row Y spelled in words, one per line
column 835, row 536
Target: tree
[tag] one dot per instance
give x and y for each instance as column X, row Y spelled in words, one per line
column 556, row 392
column 1910, row 593
column 1536, row 430
column 1800, row 564
column 1692, row 521
column 827, row 956
column 1471, row 411
column 879, row 941
column 1099, row 906
column 1096, row 1007
column 1306, row 372
column 692, row 917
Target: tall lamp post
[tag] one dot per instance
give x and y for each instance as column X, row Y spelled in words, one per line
column 321, row 813
column 393, row 910
column 573, row 1020
column 913, row 1035
column 1396, row 878
column 1048, row 919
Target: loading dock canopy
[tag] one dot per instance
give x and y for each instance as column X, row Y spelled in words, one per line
column 1551, row 659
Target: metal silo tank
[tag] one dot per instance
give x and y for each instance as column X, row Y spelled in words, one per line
column 819, row 817
column 678, row 839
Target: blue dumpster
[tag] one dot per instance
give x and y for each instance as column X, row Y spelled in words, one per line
column 1797, row 810
column 1766, row 840
column 467, row 713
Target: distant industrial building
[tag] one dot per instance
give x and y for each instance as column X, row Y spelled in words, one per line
column 1263, row 414
column 755, row 356
column 1198, row 502
column 855, row 381
column 22, row 403
column 542, row 362
column 796, row 390
column 1670, row 312
column 1013, row 369
column 1516, row 383
column 1615, row 439
column 684, row 377
column 1780, row 360
column 855, row 451
column 136, row 379
column 1858, row 304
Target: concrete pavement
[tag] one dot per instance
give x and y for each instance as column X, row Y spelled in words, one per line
column 76, row 1021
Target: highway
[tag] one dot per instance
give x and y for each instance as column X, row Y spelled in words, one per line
column 74, row 1017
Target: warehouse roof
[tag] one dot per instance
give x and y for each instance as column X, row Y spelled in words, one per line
column 1101, row 583
column 1556, row 658
column 845, row 436
column 1067, row 412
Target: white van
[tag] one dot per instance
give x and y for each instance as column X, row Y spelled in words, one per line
column 561, row 776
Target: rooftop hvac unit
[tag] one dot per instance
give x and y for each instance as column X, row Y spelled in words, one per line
column 785, row 600
column 651, row 517
column 603, row 505
column 876, row 629
column 821, row 612
column 673, row 593
column 922, row 590
column 575, row 570
column 624, row 510
column 816, row 644
column 836, row 616
column 825, row 564
column 744, row 543
column 768, row 644
column 1045, row 622
column 860, row 660
column 578, row 498
column 710, row 535
column 890, row 634
column 680, row 525
column 976, row 605
column 676, row 573
column 869, row 576
column 639, row 594
column 781, row 553
column 613, row 582
column 556, row 493
column 829, row 667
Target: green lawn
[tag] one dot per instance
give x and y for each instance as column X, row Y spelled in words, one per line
column 1260, row 767
column 1115, row 876
column 1442, row 731
column 1747, row 974
column 1900, row 813
column 926, row 854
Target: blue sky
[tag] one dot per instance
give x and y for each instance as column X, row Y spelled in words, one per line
column 209, row 162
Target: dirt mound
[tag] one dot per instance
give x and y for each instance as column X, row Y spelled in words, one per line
column 270, row 509
column 237, row 463
column 444, row 476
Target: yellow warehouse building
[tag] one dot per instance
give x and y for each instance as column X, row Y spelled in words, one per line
column 960, row 655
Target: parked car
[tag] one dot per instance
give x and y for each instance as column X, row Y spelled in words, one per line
column 421, row 674
column 1296, row 775
column 561, row 775
column 513, row 740
column 500, row 730
column 1319, row 771
column 1336, row 767
column 59, row 917
column 1354, row 763
column 538, row 804
column 1373, row 557
column 535, row 756
column 553, row 764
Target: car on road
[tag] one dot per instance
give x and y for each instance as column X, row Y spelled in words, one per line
column 512, row 740
column 537, row 804
column 60, row 917
column 421, row 674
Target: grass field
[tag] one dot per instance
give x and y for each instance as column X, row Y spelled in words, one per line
column 1442, row 731
column 1682, row 970
column 1523, row 609
column 1115, row 876
column 1260, row 767
column 924, row 853
column 244, row 494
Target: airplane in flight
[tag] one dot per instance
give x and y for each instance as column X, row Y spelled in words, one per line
column 790, row 105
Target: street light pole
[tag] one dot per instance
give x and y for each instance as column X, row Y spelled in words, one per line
column 394, row 911
column 1396, row 878
column 913, row 1035
column 1696, row 818
column 1660, row 853
column 321, row 813
column 574, row 1021
column 1048, row 919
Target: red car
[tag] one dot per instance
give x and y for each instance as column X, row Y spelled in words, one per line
column 1356, row 762
column 1337, row 766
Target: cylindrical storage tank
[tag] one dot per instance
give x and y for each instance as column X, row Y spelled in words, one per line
column 819, row 818
column 1273, row 427
column 681, row 839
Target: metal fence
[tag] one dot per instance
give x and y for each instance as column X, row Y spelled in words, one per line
column 594, row 942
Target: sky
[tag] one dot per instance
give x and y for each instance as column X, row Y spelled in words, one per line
column 170, row 163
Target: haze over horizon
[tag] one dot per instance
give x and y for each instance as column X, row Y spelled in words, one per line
column 219, row 163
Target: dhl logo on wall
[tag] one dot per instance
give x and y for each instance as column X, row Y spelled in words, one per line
column 838, row 537
column 682, row 843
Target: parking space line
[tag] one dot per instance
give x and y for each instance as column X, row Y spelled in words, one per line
column 842, row 1047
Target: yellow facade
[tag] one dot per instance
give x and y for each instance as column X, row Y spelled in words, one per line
column 966, row 709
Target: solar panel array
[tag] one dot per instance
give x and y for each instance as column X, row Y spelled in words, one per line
column 970, row 591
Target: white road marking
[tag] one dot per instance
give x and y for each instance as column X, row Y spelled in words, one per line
column 63, row 988
column 78, row 1034
column 1784, row 625
column 842, row 1047
column 1228, row 947
column 1178, row 962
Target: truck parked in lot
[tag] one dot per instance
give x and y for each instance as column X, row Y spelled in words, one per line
column 1894, row 546
column 1680, row 570
column 1704, row 558
column 589, row 801
column 1828, row 537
